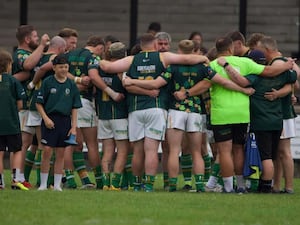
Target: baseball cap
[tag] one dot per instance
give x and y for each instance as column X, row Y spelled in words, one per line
column 60, row 59
column 257, row 56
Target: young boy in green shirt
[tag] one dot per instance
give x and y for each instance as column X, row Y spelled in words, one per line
column 12, row 94
column 57, row 102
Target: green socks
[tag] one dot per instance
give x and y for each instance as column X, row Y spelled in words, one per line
column 98, row 177
column 137, row 183
column 70, row 179
column 37, row 164
column 149, row 182
column 216, row 173
column 199, row 182
column 173, row 184
column 80, row 167
column 166, row 180
column 207, row 167
column 106, row 181
column 29, row 161
column 51, row 171
column 186, row 163
column 127, row 178
column 115, row 180
column 2, row 185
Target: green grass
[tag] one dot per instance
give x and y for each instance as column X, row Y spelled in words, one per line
column 130, row 208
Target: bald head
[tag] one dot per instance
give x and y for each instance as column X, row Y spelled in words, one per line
column 58, row 43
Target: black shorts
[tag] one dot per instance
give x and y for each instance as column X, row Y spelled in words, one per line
column 267, row 143
column 56, row 137
column 235, row 132
column 11, row 143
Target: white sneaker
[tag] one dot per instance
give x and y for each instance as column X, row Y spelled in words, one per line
column 218, row 189
column 57, row 189
column 87, row 186
column 42, row 188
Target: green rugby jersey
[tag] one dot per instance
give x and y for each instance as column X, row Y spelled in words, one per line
column 19, row 57
column 107, row 108
column 81, row 60
column 147, row 66
column 59, row 97
column 44, row 59
column 265, row 114
column 11, row 91
column 288, row 110
column 184, row 77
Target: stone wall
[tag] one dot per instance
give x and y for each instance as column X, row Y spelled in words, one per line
column 178, row 17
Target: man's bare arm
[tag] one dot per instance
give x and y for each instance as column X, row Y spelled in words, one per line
column 142, row 91
column 234, row 75
column 32, row 60
column 169, row 58
column 147, row 84
column 118, row 66
column 277, row 68
column 22, row 76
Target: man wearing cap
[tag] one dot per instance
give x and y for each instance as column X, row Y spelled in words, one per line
column 184, row 115
column 57, row 102
column 230, row 113
column 147, row 115
column 267, row 114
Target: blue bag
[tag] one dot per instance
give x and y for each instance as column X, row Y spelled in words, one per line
column 252, row 163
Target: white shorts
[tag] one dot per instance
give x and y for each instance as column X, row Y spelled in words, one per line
column 149, row 123
column 34, row 119
column 289, row 129
column 86, row 115
column 116, row 129
column 189, row 122
column 210, row 136
column 204, row 119
column 23, row 117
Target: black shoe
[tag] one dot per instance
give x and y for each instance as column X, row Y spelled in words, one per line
column 187, row 187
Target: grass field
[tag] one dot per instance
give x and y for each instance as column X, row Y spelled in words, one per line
column 86, row 207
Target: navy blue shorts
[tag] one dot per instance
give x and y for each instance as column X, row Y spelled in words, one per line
column 11, row 143
column 56, row 137
column 235, row 132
